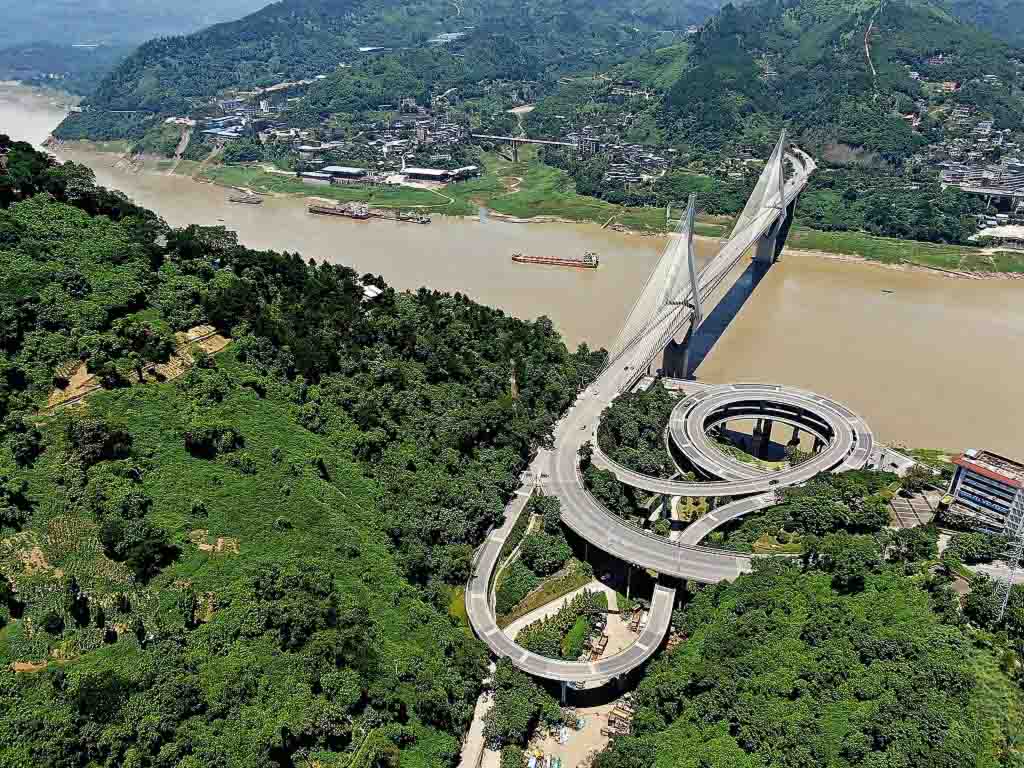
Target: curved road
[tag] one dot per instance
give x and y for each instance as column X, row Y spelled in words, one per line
column 849, row 446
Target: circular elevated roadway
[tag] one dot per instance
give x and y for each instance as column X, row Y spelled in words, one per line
column 848, row 445
column 850, row 440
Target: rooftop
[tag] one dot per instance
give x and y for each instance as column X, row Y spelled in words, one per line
column 344, row 169
column 1004, row 232
column 439, row 173
column 992, row 465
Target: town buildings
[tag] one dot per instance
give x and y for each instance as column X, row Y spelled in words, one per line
column 984, row 488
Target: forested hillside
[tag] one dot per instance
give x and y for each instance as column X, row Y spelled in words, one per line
column 804, row 62
column 252, row 564
column 1003, row 18
column 301, row 38
column 80, row 70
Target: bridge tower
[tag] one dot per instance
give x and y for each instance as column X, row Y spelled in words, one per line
column 769, row 192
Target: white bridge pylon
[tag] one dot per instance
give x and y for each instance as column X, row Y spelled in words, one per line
column 673, row 290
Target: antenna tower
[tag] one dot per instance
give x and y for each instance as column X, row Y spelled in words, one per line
column 1015, row 533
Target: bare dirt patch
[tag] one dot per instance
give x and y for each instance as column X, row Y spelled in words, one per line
column 221, row 545
column 80, row 383
column 512, row 184
column 28, row 666
column 34, row 561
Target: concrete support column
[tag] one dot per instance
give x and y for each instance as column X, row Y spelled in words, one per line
column 757, row 442
column 818, row 444
column 766, row 436
column 765, row 249
column 565, row 693
column 794, row 441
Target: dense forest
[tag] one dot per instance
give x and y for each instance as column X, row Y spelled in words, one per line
column 252, row 564
column 1003, row 18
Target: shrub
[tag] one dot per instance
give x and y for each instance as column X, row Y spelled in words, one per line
column 95, row 440
column 544, row 553
column 208, row 437
column 516, row 583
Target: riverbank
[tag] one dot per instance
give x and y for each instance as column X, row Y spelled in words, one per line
column 528, row 192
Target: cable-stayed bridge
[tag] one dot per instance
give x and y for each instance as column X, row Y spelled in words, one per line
column 670, row 303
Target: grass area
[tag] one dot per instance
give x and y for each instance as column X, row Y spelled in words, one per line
column 622, row 603
column 572, row 643
column 1009, row 261
column 998, row 700
column 457, row 608
column 740, row 455
column 891, row 251
column 575, row 575
column 542, row 191
column 259, row 180
column 772, row 545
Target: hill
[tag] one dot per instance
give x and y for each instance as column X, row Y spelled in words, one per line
column 879, row 96
column 70, row 68
column 250, row 564
column 302, row 38
column 1003, row 18
column 805, row 63
column 66, row 22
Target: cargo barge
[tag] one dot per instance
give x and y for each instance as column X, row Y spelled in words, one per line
column 247, row 199
column 412, row 218
column 349, row 210
column 363, row 211
column 589, row 260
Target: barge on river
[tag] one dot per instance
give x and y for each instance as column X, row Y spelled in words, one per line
column 349, row 210
column 589, row 260
column 248, row 199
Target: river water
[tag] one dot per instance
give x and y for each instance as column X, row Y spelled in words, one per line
column 928, row 360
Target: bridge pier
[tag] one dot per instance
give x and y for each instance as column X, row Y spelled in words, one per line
column 762, row 437
column 769, row 246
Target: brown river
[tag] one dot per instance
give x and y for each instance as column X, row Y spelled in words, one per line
column 930, row 361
